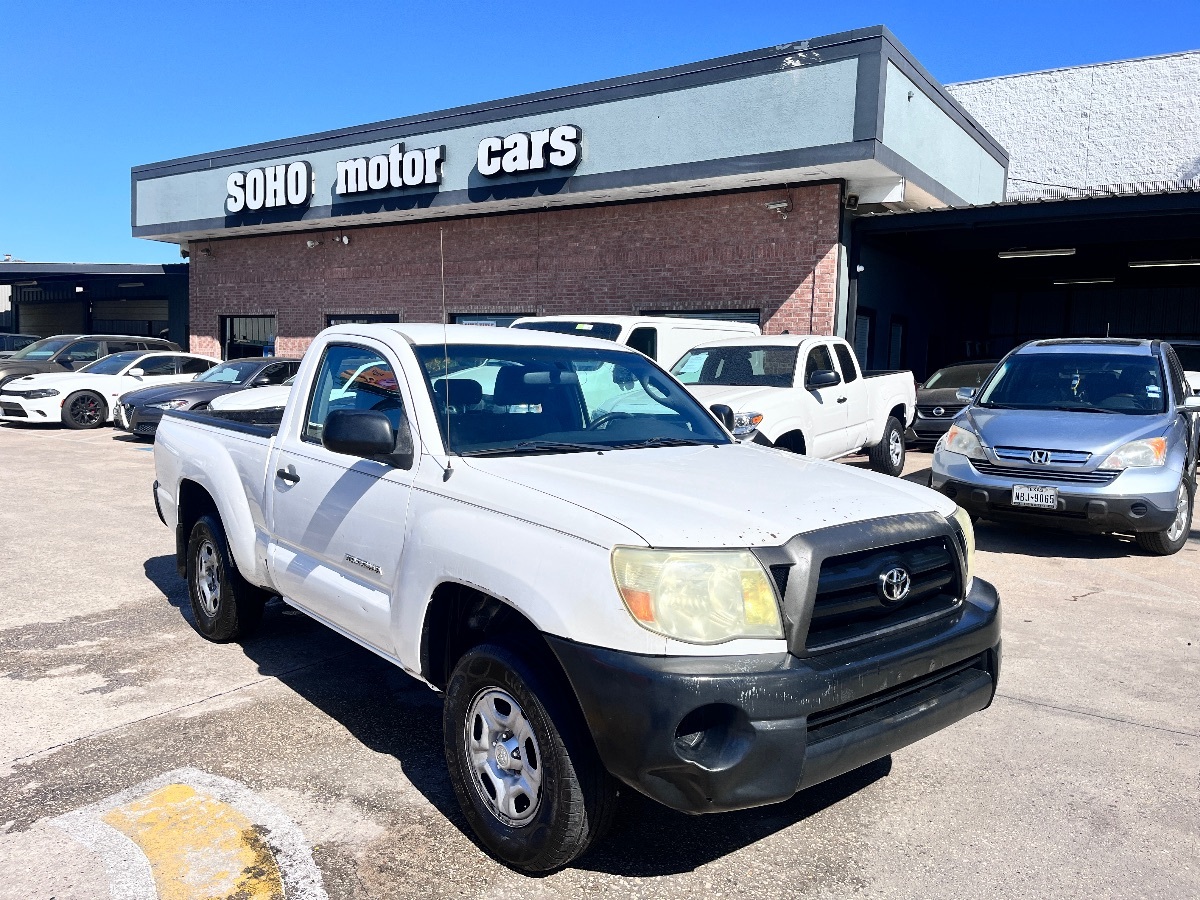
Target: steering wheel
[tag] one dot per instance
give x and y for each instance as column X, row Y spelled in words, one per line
column 606, row 418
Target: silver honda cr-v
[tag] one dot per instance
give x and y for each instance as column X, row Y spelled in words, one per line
column 1094, row 435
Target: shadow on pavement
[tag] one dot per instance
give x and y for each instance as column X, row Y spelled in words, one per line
column 1026, row 540
column 390, row 712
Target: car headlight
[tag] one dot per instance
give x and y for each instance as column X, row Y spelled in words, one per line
column 963, row 441
column 962, row 520
column 745, row 423
column 172, row 404
column 1137, row 454
column 41, row 394
column 698, row 596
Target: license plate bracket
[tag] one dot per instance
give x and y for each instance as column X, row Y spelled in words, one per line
column 1035, row 496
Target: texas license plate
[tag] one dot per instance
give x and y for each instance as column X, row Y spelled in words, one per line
column 1036, row 495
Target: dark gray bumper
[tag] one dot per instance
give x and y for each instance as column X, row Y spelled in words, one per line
column 708, row 734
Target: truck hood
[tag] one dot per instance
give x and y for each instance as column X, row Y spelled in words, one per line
column 736, row 495
column 1048, row 429
column 740, row 397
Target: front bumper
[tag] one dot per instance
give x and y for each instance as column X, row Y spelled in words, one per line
column 15, row 408
column 712, row 733
column 136, row 420
column 1137, row 500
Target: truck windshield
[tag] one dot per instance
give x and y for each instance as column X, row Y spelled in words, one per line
column 604, row 331
column 43, row 349
column 739, row 365
column 515, row 399
column 1095, row 382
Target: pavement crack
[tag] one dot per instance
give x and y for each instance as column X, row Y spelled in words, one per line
column 166, row 712
column 1096, row 715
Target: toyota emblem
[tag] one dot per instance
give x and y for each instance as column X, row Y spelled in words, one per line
column 938, row 411
column 894, row 585
column 1041, row 457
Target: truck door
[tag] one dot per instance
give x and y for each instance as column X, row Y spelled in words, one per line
column 854, row 389
column 337, row 521
column 825, row 407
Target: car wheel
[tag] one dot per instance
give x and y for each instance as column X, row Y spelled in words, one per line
column 522, row 763
column 84, row 409
column 1172, row 539
column 224, row 604
column 888, row 455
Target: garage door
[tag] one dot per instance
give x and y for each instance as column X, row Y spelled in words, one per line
column 148, row 317
column 48, row 319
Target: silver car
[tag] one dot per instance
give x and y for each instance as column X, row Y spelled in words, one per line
column 1095, row 435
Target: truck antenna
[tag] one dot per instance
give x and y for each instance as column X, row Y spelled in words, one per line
column 447, row 471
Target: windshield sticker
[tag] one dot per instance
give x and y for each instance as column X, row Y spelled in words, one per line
column 1153, row 391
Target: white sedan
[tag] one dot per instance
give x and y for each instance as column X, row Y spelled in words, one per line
column 85, row 398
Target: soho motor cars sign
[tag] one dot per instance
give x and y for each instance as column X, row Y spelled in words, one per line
column 294, row 184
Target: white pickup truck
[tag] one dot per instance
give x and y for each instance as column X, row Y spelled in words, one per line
column 806, row 394
column 603, row 598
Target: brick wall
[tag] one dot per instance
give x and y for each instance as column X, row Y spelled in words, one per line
column 725, row 251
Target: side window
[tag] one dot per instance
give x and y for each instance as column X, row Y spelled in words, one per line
column 124, row 346
column 818, row 359
column 352, row 378
column 157, row 365
column 194, row 366
column 644, row 340
column 277, row 373
column 846, row 360
column 82, row 352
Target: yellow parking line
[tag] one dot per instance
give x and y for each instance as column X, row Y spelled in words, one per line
column 198, row 847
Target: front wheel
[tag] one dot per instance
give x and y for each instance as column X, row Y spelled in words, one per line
column 84, row 409
column 1172, row 539
column 522, row 764
column 888, row 455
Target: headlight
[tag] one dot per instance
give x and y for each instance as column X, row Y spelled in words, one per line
column 698, row 596
column 41, row 394
column 745, row 423
column 963, row 520
column 172, row 404
column 1136, row 454
column 962, row 441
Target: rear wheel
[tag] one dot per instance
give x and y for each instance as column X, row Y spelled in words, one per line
column 84, row 409
column 224, row 604
column 1172, row 539
column 522, row 763
column 888, row 455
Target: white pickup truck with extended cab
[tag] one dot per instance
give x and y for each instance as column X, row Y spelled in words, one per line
column 604, row 598
column 806, row 394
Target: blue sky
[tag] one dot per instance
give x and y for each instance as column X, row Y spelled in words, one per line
column 91, row 89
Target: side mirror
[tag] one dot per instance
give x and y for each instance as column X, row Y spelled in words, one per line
column 823, row 378
column 724, row 413
column 136, row 373
column 967, row 394
column 261, row 381
column 1192, row 403
column 367, row 433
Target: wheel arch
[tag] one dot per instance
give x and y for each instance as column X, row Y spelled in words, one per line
column 193, row 501
column 792, row 441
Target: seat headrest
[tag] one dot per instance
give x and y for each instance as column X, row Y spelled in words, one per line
column 458, row 391
column 513, row 388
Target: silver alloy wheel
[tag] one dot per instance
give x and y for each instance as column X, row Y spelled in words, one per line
column 208, row 577
column 504, row 756
column 1181, row 515
column 896, row 448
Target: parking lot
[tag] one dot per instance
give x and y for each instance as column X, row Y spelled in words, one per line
column 136, row 757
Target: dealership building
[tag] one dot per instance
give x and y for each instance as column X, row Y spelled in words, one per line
column 825, row 186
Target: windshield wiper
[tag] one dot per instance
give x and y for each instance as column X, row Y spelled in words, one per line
column 1091, row 409
column 664, row 442
column 539, row 447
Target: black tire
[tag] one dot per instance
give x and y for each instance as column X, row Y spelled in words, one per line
column 888, row 455
column 225, row 606
column 576, row 797
column 84, row 409
column 1162, row 543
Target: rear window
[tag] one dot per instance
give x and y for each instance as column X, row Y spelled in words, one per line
column 605, row 331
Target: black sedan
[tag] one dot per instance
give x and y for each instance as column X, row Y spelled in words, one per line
column 937, row 398
column 139, row 412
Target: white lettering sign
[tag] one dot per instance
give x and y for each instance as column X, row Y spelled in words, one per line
column 556, row 148
column 398, row 169
column 272, row 187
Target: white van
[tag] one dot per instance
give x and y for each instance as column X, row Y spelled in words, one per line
column 662, row 338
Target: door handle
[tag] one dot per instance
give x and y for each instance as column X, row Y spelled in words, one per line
column 841, row 399
column 290, row 477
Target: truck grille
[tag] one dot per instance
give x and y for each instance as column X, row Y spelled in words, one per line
column 849, row 602
column 1040, row 474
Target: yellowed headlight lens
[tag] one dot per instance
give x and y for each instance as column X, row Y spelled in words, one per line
column 698, row 596
column 963, row 518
